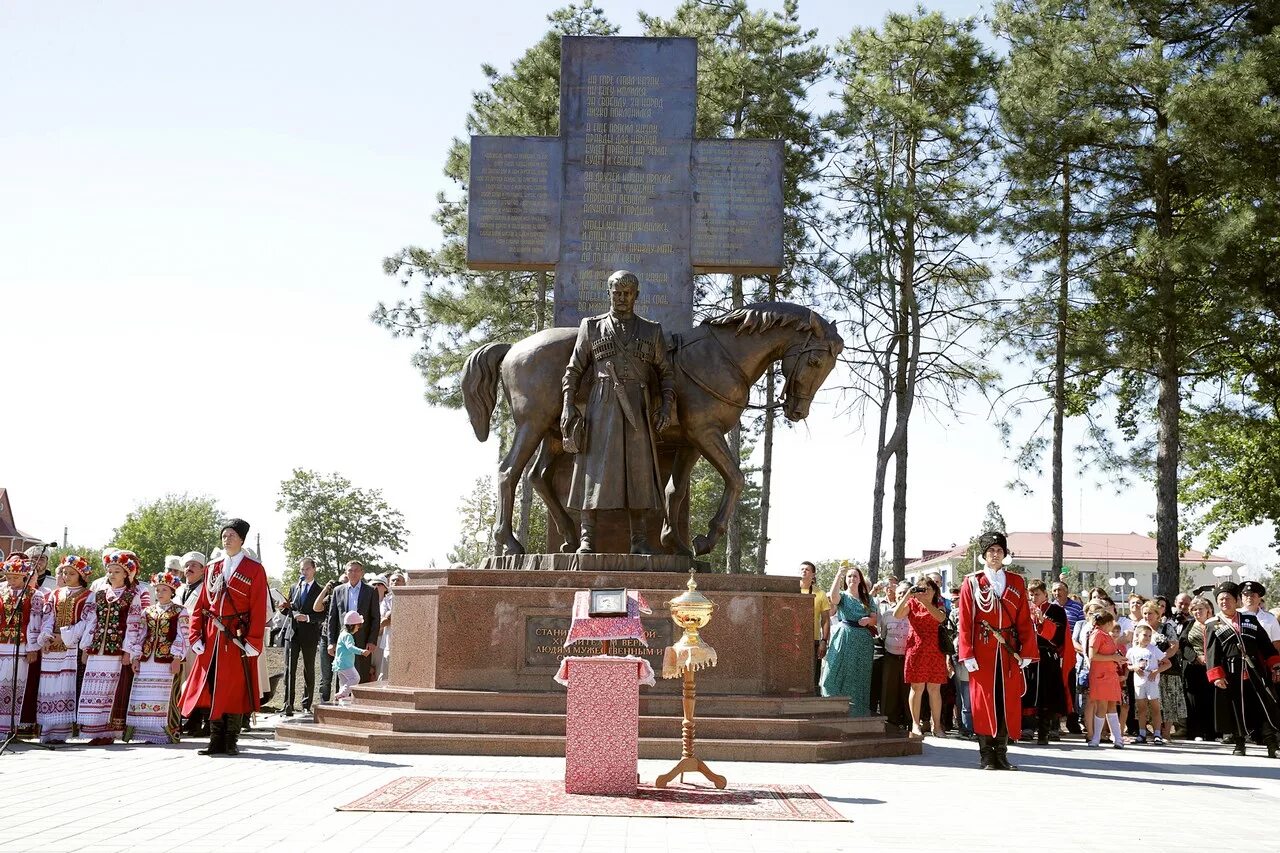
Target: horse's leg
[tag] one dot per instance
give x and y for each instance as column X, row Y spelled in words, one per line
column 710, row 442
column 509, row 473
column 676, row 494
column 543, row 479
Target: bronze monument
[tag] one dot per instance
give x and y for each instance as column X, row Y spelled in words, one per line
column 713, row 369
column 617, row 465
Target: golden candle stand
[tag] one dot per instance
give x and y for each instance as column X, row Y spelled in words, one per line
column 691, row 610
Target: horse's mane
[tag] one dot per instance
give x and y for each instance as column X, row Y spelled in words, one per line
column 762, row 316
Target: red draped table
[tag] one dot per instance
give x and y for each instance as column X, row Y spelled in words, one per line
column 602, row 722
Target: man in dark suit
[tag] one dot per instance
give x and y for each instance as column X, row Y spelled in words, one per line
column 301, row 636
column 355, row 595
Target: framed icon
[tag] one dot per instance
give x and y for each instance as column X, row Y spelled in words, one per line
column 608, row 602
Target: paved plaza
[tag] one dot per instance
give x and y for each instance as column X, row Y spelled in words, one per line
column 283, row 796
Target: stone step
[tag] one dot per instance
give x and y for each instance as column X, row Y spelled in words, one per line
column 651, row 704
column 708, row 749
column 664, row 726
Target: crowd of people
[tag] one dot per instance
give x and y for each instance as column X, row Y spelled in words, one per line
column 149, row 658
column 997, row 657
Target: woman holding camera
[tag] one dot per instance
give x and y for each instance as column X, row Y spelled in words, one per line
column 926, row 665
column 846, row 669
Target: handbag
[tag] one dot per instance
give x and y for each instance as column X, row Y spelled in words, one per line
column 945, row 643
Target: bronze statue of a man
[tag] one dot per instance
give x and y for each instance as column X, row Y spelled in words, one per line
column 616, row 468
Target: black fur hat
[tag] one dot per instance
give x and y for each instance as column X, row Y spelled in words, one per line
column 992, row 537
column 239, row 525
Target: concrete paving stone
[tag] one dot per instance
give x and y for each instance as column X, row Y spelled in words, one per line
column 287, row 788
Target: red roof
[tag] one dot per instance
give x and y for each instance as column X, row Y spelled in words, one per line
column 1081, row 547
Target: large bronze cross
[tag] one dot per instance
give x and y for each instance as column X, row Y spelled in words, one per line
column 626, row 186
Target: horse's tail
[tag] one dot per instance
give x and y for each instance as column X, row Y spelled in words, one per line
column 480, row 375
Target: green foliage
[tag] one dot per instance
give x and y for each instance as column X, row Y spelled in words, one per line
column 478, row 516
column 335, row 522
column 756, row 69
column 911, row 192
column 174, row 524
column 91, row 553
column 705, row 488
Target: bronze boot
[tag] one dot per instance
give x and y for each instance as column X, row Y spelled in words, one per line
column 640, row 532
column 586, row 544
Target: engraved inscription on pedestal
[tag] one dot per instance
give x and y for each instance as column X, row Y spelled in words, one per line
column 737, row 205
column 626, row 115
column 513, row 217
column 544, row 643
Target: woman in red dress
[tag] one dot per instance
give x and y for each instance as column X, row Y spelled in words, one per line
column 926, row 665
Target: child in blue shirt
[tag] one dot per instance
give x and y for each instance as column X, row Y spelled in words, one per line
column 344, row 657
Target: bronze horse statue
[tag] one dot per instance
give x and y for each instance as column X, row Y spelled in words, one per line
column 715, row 365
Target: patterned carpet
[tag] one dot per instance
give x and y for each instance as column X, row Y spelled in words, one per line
column 540, row 796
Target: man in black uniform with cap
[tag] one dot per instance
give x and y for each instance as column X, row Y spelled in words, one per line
column 1244, row 665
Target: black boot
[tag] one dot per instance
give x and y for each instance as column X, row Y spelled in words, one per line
column 1042, row 733
column 233, row 723
column 586, row 543
column 1239, row 750
column 1272, row 743
column 986, row 753
column 640, row 532
column 217, row 738
column 1001, row 756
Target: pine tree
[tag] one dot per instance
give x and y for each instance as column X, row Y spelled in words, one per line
column 911, row 186
column 755, row 70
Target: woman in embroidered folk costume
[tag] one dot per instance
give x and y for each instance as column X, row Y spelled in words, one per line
column 20, row 606
column 226, row 633
column 61, row 627
column 110, row 640
column 996, row 640
column 1243, row 665
column 153, row 703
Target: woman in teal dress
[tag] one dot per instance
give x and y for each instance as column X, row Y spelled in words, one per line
column 846, row 670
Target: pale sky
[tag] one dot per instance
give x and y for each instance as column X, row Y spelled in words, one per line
column 195, row 200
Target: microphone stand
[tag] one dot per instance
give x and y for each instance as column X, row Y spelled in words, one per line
column 17, row 700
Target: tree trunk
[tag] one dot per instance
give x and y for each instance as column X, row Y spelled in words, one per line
column 766, row 467
column 1060, row 363
column 733, row 536
column 1169, row 403
column 904, row 379
column 883, row 454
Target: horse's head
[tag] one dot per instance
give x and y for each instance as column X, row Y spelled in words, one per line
column 806, row 363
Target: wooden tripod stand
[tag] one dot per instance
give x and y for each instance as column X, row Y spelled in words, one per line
column 689, row 763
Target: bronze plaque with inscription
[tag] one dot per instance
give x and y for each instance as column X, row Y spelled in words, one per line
column 544, row 642
column 513, row 217
column 626, row 116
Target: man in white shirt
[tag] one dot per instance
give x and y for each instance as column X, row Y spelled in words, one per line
column 1251, row 595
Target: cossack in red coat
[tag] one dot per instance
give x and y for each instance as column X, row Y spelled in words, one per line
column 241, row 604
column 1010, row 615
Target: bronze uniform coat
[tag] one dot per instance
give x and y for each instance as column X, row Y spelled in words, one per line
column 616, row 468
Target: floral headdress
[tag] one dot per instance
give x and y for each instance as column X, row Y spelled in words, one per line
column 168, row 579
column 127, row 559
column 80, row 564
column 17, row 563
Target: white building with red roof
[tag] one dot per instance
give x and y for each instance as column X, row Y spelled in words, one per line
column 1092, row 559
